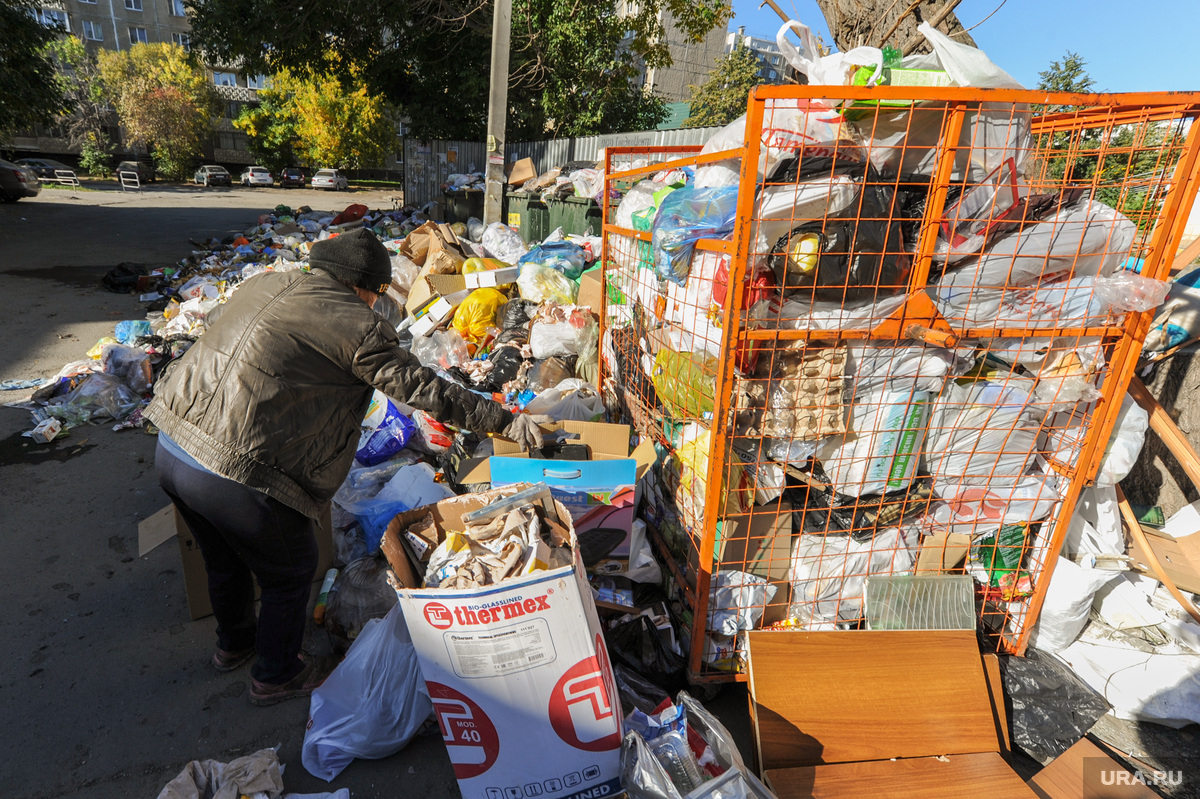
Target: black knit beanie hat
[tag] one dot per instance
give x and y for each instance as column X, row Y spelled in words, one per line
column 357, row 257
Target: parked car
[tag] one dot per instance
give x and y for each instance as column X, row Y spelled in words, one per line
column 257, row 176
column 17, row 181
column 330, row 179
column 145, row 174
column 45, row 167
column 213, row 175
column 292, row 176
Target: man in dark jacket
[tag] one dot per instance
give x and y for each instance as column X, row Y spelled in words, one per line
column 258, row 424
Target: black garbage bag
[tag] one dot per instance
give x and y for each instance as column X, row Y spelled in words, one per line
column 506, row 364
column 637, row 645
column 828, row 512
column 123, row 278
column 1049, row 708
column 636, row 692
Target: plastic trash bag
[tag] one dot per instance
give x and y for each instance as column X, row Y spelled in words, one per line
column 477, row 314
column 1066, row 605
column 129, row 331
column 1064, row 439
column 98, row 396
column 637, row 644
column 642, row 776
column 736, row 601
column 636, row 692
column 256, row 774
column 442, row 350
column 539, row 283
column 547, row 374
column 685, row 216
column 404, row 273
column 386, row 431
column 412, row 486
column 503, row 242
column 568, row 258
column 571, row 399
column 982, row 433
column 566, row 333
column 1051, row 707
column 974, row 510
column 873, row 367
column 372, row 704
column 684, row 382
column 829, row 574
column 130, row 364
column 882, row 445
column 689, row 466
column 360, row 593
column 638, row 198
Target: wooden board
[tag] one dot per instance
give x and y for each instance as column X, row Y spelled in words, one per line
column 1064, row 777
column 838, row 697
column 978, row 776
column 995, row 684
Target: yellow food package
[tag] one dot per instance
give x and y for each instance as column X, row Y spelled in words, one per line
column 472, row 265
column 95, row 351
column 478, row 313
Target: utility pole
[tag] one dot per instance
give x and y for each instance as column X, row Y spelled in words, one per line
column 497, row 112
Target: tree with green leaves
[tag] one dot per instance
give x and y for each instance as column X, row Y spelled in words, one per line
column 315, row 120
column 29, row 89
column 574, row 65
column 164, row 100
column 722, row 98
column 86, row 123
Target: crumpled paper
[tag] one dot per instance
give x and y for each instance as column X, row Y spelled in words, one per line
column 258, row 773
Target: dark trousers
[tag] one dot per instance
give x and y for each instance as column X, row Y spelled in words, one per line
column 243, row 532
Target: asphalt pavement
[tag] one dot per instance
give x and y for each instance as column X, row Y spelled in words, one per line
column 106, row 691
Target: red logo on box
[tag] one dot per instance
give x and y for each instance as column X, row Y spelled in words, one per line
column 581, row 708
column 470, row 736
column 438, row 615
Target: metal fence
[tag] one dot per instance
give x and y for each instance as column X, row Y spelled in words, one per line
column 556, row 152
column 427, row 164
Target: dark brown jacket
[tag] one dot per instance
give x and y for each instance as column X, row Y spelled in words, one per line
column 274, row 393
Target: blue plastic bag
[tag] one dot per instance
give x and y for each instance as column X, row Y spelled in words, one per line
column 685, row 216
column 129, row 331
column 392, row 431
column 564, row 256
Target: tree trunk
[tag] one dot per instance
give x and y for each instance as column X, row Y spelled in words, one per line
column 867, row 22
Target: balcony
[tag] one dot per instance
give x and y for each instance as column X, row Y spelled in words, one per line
column 238, row 93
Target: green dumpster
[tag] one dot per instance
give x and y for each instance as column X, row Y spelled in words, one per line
column 462, row 204
column 528, row 216
column 577, row 216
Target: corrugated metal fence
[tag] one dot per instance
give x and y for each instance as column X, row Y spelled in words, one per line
column 427, row 164
column 556, row 152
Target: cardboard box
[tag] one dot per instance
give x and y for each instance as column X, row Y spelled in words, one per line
column 591, row 290
column 195, row 578
column 491, row 278
column 522, row 171
column 942, row 552
column 600, row 493
column 760, row 543
column 432, row 299
column 518, row 673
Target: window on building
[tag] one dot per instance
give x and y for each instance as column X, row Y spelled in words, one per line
column 183, row 40
column 256, row 81
column 233, row 109
column 138, row 36
column 177, row 9
column 93, row 31
column 775, row 60
column 90, row 2
column 773, row 75
column 225, row 79
column 53, row 18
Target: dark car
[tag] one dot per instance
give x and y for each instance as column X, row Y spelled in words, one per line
column 145, row 174
column 292, row 176
column 45, row 168
column 17, row 181
column 213, row 175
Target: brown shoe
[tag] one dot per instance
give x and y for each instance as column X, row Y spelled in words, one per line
column 310, row 677
column 224, row 660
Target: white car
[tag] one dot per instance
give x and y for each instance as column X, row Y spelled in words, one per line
column 257, row 176
column 330, row 179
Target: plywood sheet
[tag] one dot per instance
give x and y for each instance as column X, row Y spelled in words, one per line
column 978, row 776
column 838, row 697
column 1064, row 777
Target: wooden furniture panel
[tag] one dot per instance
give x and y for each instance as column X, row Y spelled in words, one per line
column 837, row 697
column 978, row 776
column 1063, row 778
column 995, row 685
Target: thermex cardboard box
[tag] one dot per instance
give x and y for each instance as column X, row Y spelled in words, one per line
column 519, row 677
column 195, row 578
column 600, row 492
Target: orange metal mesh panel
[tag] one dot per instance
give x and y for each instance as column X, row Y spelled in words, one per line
column 907, row 355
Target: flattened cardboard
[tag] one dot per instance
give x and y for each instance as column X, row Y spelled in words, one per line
column 591, row 290
column 195, row 578
column 942, row 552
column 759, row 543
column 155, row 529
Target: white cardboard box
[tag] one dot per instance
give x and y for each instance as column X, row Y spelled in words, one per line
column 521, row 685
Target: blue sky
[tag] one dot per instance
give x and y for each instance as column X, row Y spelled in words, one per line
column 1153, row 50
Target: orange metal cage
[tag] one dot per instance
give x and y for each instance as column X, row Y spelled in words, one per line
column 903, row 353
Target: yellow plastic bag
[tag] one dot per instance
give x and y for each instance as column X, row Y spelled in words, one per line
column 472, row 265
column 690, row 465
column 97, row 350
column 478, row 313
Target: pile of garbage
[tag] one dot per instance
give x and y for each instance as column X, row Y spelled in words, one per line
column 583, row 179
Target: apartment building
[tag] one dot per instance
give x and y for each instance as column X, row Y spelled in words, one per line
column 773, row 67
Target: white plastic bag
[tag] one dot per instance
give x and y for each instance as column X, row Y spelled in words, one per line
column 1163, row 686
column 643, row 565
column 1065, row 608
column 872, row 367
column 372, row 704
column 829, row 574
column 571, row 399
column 563, row 338
column 1064, row 440
column 882, row 445
column 503, row 243
column 983, row 433
column 736, row 601
column 979, row 510
column 830, row 70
